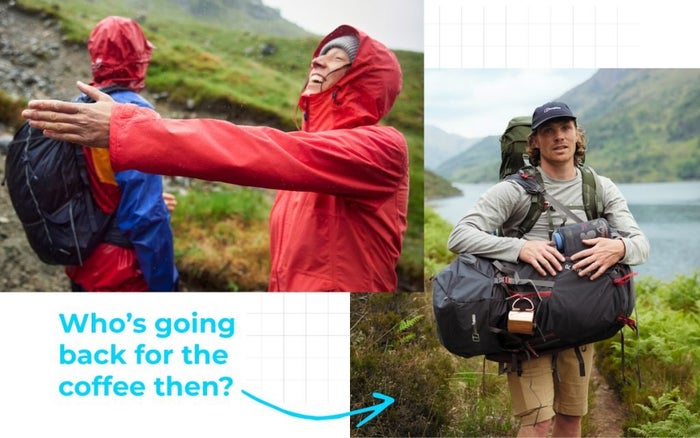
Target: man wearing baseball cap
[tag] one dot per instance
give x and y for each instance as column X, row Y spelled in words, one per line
column 546, row 118
column 549, row 111
column 550, row 389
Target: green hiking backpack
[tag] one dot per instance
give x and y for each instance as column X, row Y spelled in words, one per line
column 514, row 145
column 514, row 158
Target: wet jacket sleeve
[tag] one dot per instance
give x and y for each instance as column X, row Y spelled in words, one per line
column 366, row 163
column 143, row 217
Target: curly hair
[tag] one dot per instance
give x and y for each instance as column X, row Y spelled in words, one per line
column 579, row 156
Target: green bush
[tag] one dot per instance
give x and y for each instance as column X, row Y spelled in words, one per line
column 437, row 256
column 667, row 353
column 669, row 416
column 395, row 351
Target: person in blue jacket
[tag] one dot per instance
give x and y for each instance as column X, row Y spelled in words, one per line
column 140, row 256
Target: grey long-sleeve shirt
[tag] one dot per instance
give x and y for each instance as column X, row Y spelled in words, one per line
column 506, row 204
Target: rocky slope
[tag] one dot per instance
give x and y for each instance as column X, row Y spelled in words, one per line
column 33, row 64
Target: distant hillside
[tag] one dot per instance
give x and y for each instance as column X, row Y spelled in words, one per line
column 479, row 163
column 241, row 15
column 437, row 187
column 642, row 125
column 235, row 15
column 443, row 146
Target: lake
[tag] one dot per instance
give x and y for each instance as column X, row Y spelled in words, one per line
column 668, row 213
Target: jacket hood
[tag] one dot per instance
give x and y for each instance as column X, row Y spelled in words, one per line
column 363, row 96
column 119, row 53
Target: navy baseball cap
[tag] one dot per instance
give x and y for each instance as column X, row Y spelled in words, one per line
column 549, row 111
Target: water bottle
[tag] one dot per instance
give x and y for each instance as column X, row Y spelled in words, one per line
column 568, row 239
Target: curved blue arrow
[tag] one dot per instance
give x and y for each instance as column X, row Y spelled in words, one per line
column 376, row 409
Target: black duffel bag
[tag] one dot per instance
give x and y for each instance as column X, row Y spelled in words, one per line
column 474, row 296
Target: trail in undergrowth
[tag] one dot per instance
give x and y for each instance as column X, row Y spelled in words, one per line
column 607, row 414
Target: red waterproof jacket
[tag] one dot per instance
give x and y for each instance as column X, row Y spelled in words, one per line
column 119, row 53
column 338, row 221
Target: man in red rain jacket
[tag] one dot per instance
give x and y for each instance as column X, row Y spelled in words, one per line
column 338, row 221
column 142, row 259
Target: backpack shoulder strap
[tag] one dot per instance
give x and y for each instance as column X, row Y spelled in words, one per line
column 530, row 179
column 113, row 234
column 592, row 193
column 109, row 89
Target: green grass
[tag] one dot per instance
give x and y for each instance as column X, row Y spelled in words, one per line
column 221, row 239
column 202, row 207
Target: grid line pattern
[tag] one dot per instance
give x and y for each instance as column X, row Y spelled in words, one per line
column 303, row 348
column 558, row 36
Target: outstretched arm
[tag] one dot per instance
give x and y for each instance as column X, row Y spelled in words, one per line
column 80, row 123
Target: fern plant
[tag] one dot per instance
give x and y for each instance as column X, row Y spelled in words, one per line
column 404, row 325
column 668, row 416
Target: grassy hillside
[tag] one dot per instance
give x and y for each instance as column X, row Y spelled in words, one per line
column 232, row 67
column 637, row 117
column 444, row 145
column 220, row 67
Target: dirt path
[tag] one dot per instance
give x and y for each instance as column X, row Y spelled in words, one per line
column 607, row 414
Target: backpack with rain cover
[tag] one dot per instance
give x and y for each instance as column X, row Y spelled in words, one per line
column 50, row 191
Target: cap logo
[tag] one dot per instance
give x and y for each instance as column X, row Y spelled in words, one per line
column 551, row 108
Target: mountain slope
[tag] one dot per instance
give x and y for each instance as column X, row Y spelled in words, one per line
column 477, row 164
column 642, row 125
column 443, row 146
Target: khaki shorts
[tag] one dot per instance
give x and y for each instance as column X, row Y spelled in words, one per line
column 537, row 395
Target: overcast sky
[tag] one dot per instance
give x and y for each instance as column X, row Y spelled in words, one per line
column 479, row 102
column 396, row 23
